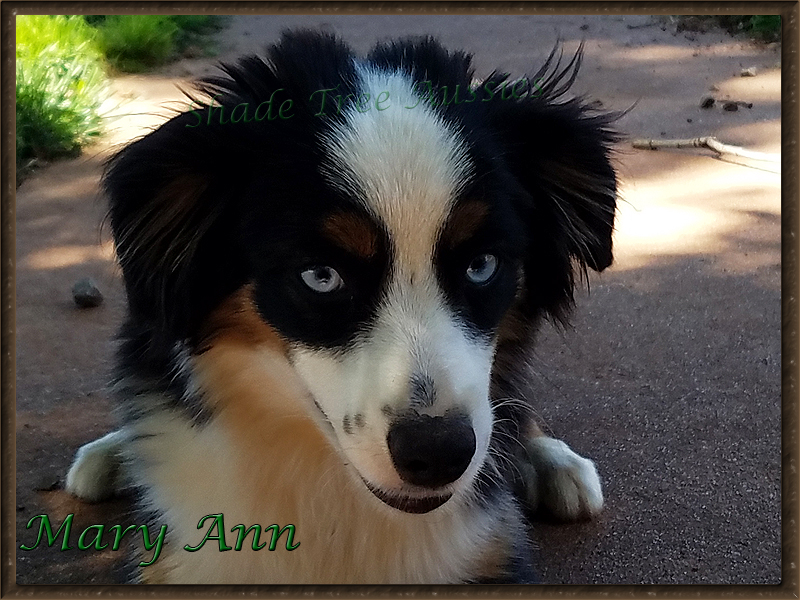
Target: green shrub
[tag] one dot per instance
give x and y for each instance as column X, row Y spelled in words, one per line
column 135, row 43
column 763, row 27
column 767, row 27
column 94, row 19
column 60, row 86
column 196, row 23
column 192, row 28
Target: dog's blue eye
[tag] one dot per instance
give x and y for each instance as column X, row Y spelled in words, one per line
column 322, row 279
column 481, row 269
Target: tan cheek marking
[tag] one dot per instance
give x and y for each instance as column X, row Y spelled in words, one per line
column 353, row 233
column 253, row 389
column 464, row 222
column 237, row 321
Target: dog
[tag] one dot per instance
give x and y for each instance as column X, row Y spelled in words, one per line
column 335, row 268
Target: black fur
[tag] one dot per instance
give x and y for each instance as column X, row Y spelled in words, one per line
column 201, row 207
column 541, row 162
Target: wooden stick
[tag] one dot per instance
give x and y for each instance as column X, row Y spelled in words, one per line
column 711, row 143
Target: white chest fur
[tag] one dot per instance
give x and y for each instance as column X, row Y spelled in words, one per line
column 262, row 461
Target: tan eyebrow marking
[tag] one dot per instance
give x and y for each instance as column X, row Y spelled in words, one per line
column 352, row 232
column 463, row 222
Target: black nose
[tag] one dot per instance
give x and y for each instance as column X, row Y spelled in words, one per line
column 431, row 451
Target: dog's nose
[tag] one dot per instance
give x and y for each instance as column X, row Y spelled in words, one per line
column 431, row 451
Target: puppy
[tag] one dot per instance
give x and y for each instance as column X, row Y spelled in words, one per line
column 335, row 267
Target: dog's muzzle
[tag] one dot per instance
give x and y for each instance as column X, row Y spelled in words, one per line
column 409, row 504
column 428, row 453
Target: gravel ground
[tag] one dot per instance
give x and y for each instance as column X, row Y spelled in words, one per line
column 670, row 378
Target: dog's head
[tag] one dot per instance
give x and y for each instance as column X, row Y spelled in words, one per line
column 394, row 221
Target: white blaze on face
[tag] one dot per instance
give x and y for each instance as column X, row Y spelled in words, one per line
column 406, row 165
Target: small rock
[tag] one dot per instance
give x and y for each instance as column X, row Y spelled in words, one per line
column 749, row 72
column 707, row 102
column 20, row 507
column 714, row 88
column 86, row 294
column 584, row 27
column 688, row 120
column 730, row 106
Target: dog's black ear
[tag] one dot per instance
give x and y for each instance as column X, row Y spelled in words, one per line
column 558, row 152
column 175, row 194
column 170, row 210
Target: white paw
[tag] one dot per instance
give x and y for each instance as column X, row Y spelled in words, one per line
column 567, row 484
column 95, row 473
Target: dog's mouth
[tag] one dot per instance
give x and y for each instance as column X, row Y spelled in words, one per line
column 409, row 504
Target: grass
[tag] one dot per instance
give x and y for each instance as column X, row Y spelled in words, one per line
column 61, row 72
column 136, row 43
column 762, row 27
column 193, row 28
column 60, row 87
column 766, row 28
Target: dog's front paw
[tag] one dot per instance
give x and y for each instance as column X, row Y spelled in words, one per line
column 566, row 483
column 95, row 473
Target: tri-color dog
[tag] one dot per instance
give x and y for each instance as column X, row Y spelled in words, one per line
column 335, row 267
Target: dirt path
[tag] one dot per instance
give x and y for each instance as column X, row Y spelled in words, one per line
column 670, row 378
